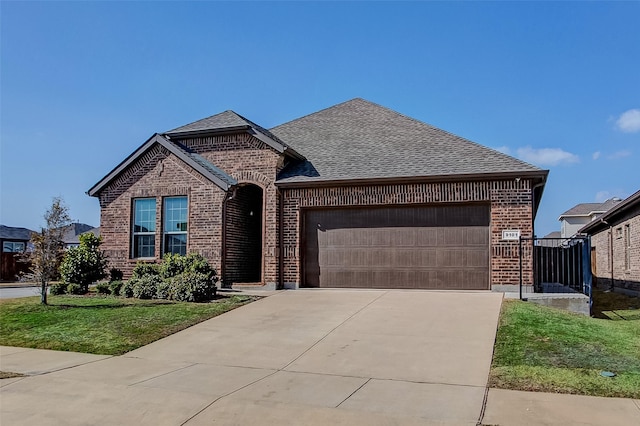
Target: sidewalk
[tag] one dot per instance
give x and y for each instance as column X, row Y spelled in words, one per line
column 504, row 407
column 18, row 284
column 507, row 407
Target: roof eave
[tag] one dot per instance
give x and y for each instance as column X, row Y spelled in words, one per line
column 540, row 175
column 206, row 132
column 160, row 139
column 603, row 221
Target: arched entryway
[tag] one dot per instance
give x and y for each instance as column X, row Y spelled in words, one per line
column 243, row 236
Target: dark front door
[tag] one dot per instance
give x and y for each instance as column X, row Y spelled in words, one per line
column 422, row 247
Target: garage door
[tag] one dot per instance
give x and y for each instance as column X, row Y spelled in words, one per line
column 426, row 247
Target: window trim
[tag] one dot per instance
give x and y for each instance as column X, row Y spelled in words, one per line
column 627, row 247
column 166, row 233
column 13, row 246
column 135, row 234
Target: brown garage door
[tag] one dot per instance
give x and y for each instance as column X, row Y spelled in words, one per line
column 427, row 247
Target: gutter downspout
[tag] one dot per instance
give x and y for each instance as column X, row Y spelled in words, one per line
column 611, row 287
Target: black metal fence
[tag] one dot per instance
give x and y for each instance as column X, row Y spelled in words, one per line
column 560, row 265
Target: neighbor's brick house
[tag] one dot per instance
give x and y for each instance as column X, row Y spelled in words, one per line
column 615, row 243
column 355, row 195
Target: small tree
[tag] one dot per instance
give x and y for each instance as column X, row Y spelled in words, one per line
column 85, row 264
column 48, row 246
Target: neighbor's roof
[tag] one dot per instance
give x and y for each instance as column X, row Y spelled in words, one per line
column 197, row 162
column 358, row 139
column 13, row 233
column 587, row 209
column 230, row 121
column 619, row 211
column 72, row 232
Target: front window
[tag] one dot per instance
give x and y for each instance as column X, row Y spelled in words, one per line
column 13, row 246
column 175, row 225
column 144, row 227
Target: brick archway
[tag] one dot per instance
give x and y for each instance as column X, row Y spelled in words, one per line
column 243, row 233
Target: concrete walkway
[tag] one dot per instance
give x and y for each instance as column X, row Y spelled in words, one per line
column 311, row 357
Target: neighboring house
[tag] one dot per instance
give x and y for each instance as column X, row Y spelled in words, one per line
column 356, row 195
column 71, row 236
column 579, row 215
column 13, row 241
column 615, row 243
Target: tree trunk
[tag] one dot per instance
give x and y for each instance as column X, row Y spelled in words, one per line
column 43, row 293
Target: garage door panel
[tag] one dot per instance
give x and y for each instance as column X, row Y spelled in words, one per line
column 397, row 247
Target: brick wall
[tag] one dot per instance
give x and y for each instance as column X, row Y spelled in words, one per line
column 249, row 160
column 626, row 254
column 159, row 174
column 511, row 208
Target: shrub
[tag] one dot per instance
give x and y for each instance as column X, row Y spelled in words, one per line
column 126, row 290
column 85, row 264
column 114, row 287
column 103, row 288
column 163, row 289
column 145, row 287
column 74, row 288
column 175, row 264
column 57, row 289
column 192, row 287
column 115, row 274
column 141, row 269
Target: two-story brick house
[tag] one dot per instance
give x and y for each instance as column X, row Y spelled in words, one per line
column 355, row 195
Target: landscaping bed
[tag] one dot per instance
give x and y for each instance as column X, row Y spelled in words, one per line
column 100, row 324
column 544, row 349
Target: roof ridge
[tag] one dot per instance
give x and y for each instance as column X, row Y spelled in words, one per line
column 319, row 111
column 204, row 119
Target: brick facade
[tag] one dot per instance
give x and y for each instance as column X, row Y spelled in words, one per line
column 625, row 255
column 511, row 208
column 158, row 173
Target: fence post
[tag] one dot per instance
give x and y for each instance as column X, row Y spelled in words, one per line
column 520, row 258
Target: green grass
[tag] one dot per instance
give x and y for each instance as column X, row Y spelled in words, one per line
column 615, row 306
column 101, row 324
column 544, row 349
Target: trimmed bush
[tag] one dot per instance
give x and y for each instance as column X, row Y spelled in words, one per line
column 126, row 290
column 74, row 288
column 103, row 288
column 57, row 289
column 192, row 287
column 174, row 264
column 163, row 289
column 142, row 269
column 115, row 274
column 114, row 287
column 145, row 287
column 85, row 264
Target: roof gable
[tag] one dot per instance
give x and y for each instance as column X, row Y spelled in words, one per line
column 197, row 162
column 362, row 140
column 229, row 122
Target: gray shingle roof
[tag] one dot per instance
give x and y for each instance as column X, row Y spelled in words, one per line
column 223, row 120
column 585, row 209
column 13, row 233
column 230, row 120
column 73, row 231
column 208, row 170
column 620, row 210
column 362, row 140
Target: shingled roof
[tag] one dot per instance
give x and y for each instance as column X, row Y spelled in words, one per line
column 14, row 233
column 197, row 162
column 362, row 140
column 230, row 121
column 587, row 209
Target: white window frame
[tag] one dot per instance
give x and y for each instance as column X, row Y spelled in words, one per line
column 167, row 216
column 135, row 233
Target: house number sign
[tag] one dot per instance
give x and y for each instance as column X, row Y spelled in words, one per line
column 511, row 234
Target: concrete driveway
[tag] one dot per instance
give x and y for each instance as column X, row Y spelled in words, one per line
column 297, row 357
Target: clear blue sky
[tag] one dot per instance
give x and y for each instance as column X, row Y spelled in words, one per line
column 83, row 84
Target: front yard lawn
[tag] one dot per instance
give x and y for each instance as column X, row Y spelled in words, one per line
column 547, row 350
column 101, row 324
